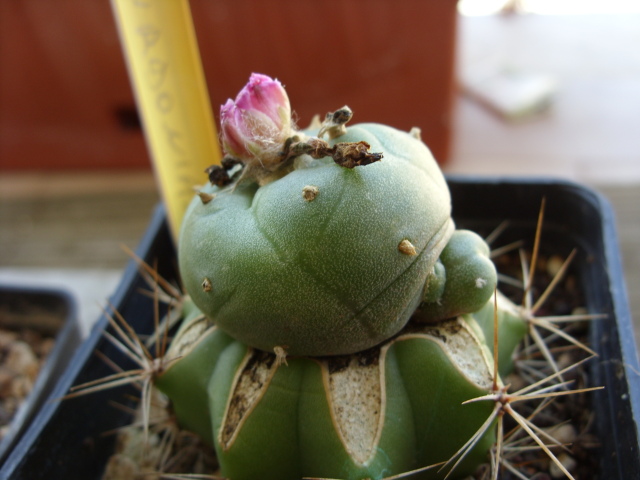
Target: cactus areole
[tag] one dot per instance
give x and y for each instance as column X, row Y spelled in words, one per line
column 317, row 242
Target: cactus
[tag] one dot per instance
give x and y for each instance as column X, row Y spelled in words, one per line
column 322, row 251
column 337, row 325
column 329, row 260
column 366, row 415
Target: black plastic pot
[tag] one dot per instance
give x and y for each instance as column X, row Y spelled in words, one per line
column 69, row 439
column 50, row 313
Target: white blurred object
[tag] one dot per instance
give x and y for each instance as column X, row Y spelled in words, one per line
column 548, row 7
column 580, row 7
column 480, row 7
column 512, row 94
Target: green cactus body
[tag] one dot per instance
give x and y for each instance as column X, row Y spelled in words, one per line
column 463, row 279
column 512, row 328
column 198, row 346
column 315, row 261
column 327, row 261
column 384, row 411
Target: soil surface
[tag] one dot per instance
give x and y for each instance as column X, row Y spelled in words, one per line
column 22, row 354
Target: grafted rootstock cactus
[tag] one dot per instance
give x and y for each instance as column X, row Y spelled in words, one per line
column 383, row 411
column 340, row 255
column 324, row 249
column 512, row 327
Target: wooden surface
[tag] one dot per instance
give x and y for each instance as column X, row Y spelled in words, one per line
column 589, row 133
column 73, row 221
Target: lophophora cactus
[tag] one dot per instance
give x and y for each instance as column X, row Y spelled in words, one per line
column 337, row 325
column 317, row 258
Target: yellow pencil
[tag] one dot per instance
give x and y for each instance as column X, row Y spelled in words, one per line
column 165, row 69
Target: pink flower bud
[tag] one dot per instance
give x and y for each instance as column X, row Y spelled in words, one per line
column 255, row 126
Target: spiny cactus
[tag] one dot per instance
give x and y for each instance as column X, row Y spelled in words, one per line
column 337, row 325
column 322, row 251
column 382, row 411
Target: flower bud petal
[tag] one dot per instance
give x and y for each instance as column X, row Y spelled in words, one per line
column 256, row 125
column 232, row 138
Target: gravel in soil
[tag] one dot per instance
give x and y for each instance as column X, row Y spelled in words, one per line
column 22, row 354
